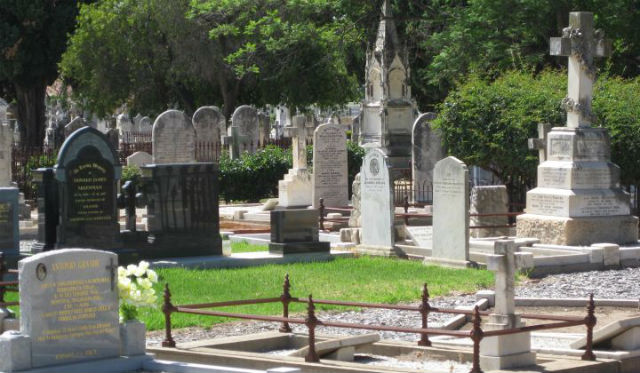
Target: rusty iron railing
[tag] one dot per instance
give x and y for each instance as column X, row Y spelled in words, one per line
column 6, row 286
column 311, row 321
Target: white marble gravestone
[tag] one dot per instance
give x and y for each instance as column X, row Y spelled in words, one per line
column 210, row 126
column 427, row 150
column 330, row 173
column 579, row 200
column 125, row 127
column 173, row 138
column 376, row 205
column 245, row 119
column 295, row 190
column 139, row 159
column 450, row 212
column 69, row 306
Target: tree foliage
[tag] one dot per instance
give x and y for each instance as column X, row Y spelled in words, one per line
column 33, row 37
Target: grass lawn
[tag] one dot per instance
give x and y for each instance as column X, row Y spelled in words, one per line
column 245, row 247
column 369, row 279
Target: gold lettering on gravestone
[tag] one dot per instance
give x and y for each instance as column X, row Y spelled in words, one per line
column 75, row 300
column 89, row 195
column 5, row 211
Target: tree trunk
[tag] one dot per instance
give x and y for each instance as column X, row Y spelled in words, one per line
column 31, row 114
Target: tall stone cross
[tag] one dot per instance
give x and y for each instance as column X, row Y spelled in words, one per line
column 298, row 134
column 540, row 143
column 234, row 141
column 581, row 44
column 504, row 263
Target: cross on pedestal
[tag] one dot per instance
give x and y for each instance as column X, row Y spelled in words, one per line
column 504, row 263
column 298, row 133
column 581, row 44
column 540, row 143
column 234, row 141
column 112, row 268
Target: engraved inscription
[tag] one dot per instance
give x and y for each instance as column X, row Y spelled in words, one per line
column 546, row 204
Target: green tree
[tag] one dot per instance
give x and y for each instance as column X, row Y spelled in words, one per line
column 34, row 35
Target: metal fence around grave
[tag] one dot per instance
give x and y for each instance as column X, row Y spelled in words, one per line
column 476, row 334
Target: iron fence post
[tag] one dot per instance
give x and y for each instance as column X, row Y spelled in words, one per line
column 476, row 336
column 590, row 322
column 167, row 308
column 285, row 298
column 424, row 312
column 321, row 214
column 2, row 270
column 406, row 209
column 311, row 322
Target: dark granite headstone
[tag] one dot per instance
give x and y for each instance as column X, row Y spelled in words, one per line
column 88, row 170
column 182, row 208
column 9, row 236
column 48, row 213
column 295, row 231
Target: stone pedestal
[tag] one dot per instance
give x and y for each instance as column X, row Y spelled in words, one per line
column 578, row 200
column 296, row 232
column 506, row 351
column 132, row 338
column 295, row 190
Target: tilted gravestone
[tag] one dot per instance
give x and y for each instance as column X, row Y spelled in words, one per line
column 88, row 171
column 210, row 126
column 69, row 306
column 376, row 205
column 450, row 212
column 330, row 173
column 427, row 150
column 174, row 138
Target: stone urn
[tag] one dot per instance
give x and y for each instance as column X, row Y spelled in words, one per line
column 132, row 338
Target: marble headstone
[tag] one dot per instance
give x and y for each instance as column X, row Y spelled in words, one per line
column 330, row 173
column 245, row 118
column 451, row 210
column 173, row 138
column 69, row 306
column 125, row 127
column 427, row 150
column 210, row 126
column 377, row 210
column 139, row 159
column 6, row 139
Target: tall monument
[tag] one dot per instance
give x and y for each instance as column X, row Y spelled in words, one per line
column 388, row 111
column 579, row 200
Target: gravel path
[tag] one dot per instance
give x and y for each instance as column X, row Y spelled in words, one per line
column 623, row 283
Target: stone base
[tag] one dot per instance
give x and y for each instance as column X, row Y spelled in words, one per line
column 132, row 338
column 378, row 250
column 185, row 244
column 488, row 363
column 299, row 247
column 451, row 263
column 581, row 231
column 295, row 189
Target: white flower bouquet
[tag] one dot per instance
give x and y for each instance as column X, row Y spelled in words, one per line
column 135, row 288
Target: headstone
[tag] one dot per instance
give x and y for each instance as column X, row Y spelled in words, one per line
column 88, row 171
column 427, row 150
column 578, row 200
column 422, row 236
column 113, row 135
column 513, row 350
column 450, row 212
column 354, row 219
column 295, row 231
column 264, row 128
column 245, row 119
column 376, row 204
column 210, row 126
column 144, row 129
column 174, row 138
column 6, row 140
column 69, row 306
column 73, row 126
column 330, row 173
column 295, row 190
column 490, row 199
column 182, row 208
column 139, row 159
column 9, row 235
column 48, row 209
column 125, row 127
column 3, row 111
column 355, row 129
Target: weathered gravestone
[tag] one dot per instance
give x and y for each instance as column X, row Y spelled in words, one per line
column 243, row 133
column 579, row 200
column 125, row 127
column 376, row 205
column 330, row 173
column 69, row 306
column 6, row 139
column 182, row 208
column 427, row 150
column 354, row 219
column 295, row 190
column 88, row 171
column 174, row 138
column 264, row 128
column 489, row 199
column 9, row 235
column 450, row 213
column 73, row 126
column 139, row 159
column 296, row 232
column 210, row 126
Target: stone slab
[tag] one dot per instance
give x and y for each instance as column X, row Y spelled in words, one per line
column 15, row 351
column 422, row 236
column 122, row 364
column 295, row 190
column 490, row 363
column 579, row 231
column 578, row 144
column 297, row 225
column 578, row 203
column 299, row 247
column 325, row 347
column 608, row 332
column 69, row 306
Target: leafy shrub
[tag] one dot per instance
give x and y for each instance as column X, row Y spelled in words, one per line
column 130, row 173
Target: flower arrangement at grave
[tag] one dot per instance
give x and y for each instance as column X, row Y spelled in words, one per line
column 135, row 289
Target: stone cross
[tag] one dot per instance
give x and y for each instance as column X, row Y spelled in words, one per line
column 504, row 263
column 540, row 143
column 298, row 133
column 581, row 44
column 112, row 268
column 234, row 141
